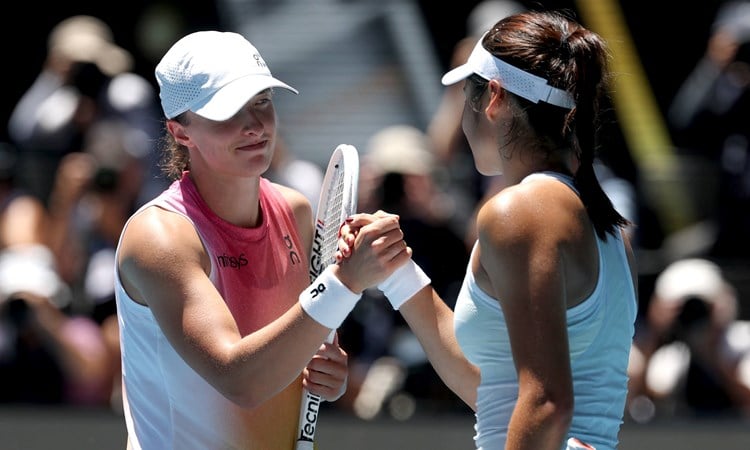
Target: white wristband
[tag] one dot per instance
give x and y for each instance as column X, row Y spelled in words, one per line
column 328, row 300
column 406, row 281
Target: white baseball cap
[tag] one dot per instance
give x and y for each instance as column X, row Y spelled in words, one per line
column 212, row 74
column 31, row 269
column 697, row 277
column 690, row 277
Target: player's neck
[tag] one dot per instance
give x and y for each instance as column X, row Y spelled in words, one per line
column 234, row 199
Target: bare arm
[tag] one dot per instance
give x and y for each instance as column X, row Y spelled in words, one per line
column 444, row 129
column 327, row 373
column 164, row 266
column 431, row 320
column 520, row 256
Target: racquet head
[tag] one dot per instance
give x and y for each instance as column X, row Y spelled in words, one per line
column 338, row 200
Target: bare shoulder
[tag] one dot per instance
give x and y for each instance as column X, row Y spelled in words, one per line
column 156, row 240
column 297, row 201
column 541, row 203
column 159, row 229
column 534, row 220
column 302, row 210
column 525, row 211
column 522, row 229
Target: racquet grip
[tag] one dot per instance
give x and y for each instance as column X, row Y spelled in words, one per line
column 406, row 281
column 328, row 300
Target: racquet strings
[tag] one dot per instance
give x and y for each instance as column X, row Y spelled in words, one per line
column 333, row 216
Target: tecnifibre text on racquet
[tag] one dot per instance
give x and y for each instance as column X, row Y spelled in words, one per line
column 338, row 200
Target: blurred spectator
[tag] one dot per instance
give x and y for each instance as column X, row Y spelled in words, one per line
column 85, row 77
column 709, row 120
column 94, row 192
column 47, row 353
column 444, row 130
column 46, row 356
column 688, row 358
column 22, row 216
column 398, row 175
column 289, row 170
column 86, row 133
column 400, row 169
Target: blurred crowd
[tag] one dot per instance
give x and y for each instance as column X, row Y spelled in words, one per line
column 83, row 154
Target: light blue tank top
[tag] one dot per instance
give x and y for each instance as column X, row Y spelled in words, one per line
column 600, row 332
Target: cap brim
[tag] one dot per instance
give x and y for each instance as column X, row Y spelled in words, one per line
column 229, row 99
column 459, row 73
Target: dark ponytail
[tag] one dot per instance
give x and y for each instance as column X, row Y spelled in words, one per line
column 602, row 213
column 570, row 57
column 588, row 58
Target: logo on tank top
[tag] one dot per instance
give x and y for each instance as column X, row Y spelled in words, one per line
column 293, row 256
column 232, row 262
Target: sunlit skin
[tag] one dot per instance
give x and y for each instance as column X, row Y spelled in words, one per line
column 536, row 253
column 230, row 156
column 164, row 265
column 484, row 149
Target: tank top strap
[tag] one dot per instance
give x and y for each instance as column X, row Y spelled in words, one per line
column 566, row 179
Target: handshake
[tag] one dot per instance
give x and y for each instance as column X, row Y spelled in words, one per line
column 399, row 286
column 404, row 282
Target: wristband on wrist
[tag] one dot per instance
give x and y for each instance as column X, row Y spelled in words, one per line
column 328, row 300
column 406, row 281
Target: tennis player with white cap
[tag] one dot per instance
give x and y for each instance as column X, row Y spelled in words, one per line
column 220, row 327
column 539, row 339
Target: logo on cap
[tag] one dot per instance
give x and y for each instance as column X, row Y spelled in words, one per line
column 259, row 60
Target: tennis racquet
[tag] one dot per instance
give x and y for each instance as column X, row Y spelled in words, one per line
column 338, row 200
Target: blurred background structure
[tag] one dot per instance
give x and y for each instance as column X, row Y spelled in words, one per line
column 79, row 154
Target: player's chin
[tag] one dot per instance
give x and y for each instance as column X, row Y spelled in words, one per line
column 486, row 169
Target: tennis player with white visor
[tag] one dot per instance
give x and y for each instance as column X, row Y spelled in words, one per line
column 515, row 80
column 538, row 342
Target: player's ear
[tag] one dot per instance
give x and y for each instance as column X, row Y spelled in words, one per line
column 178, row 131
column 497, row 98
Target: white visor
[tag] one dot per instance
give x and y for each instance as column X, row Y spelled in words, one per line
column 515, row 80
